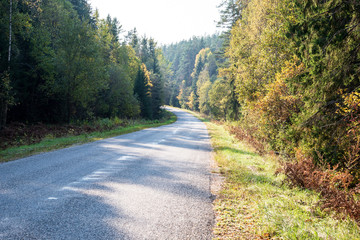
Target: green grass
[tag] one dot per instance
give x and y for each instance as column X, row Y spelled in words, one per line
column 256, row 203
column 50, row 143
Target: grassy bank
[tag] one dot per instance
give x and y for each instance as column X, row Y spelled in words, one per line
column 256, row 203
column 50, row 142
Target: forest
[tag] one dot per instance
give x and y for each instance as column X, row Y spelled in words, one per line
column 285, row 73
column 61, row 63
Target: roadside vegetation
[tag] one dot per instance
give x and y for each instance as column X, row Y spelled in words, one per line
column 24, row 140
column 258, row 202
column 286, row 79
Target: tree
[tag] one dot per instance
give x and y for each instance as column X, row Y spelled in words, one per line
column 69, row 65
column 142, row 90
column 183, row 95
column 132, row 39
column 182, row 57
column 83, row 10
column 15, row 27
column 121, row 101
column 115, row 27
column 325, row 37
column 5, row 79
column 231, row 12
column 5, row 95
column 219, row 99
column 118, row 99
column 204, row 105
column 157, row 78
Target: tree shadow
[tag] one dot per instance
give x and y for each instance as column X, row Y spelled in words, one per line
column 129, row 180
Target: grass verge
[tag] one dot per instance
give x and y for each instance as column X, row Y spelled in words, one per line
column 256, row 203
column 51, row 143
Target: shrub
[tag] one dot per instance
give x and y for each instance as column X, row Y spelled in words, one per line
column 333, row 185
column 349, row 109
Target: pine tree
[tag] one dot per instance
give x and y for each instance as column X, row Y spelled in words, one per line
column 142, row 91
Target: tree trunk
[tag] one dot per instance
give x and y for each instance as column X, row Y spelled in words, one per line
column 10, row 33
column 4, row 99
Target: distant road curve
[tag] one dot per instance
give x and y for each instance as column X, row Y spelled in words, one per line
column 151, row 184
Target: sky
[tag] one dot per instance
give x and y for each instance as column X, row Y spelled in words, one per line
column 167, row 21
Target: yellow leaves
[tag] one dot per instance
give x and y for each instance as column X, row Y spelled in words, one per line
column 291, row 69
column 147, row 75
column 351, row 102
column 191, row 101
column 183, row 93
column 258, row 49
column 256, row 14
column 278, row 104
column 179, row 97
column 271, row 110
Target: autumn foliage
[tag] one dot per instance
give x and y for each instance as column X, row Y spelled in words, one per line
column 295, row 69
column 336, row 187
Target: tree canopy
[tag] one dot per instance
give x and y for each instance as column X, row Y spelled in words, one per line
column 67, row 64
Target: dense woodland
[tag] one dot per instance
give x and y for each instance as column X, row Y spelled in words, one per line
column 61, row 63
column 286, row 74
column 193, row 63
column 289, row 76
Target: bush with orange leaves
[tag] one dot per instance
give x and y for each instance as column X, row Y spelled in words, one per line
column 333, row 185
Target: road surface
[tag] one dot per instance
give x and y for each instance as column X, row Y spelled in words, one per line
column 151, row 184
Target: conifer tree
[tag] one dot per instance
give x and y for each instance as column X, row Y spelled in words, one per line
column 142, row 90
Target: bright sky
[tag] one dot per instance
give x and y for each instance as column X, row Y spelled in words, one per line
column 167, row 21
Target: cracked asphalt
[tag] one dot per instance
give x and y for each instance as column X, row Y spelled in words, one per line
column 151, row 184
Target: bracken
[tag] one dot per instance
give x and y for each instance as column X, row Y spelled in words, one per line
column 333, row 185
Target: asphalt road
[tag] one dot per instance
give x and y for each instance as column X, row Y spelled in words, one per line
column 151, row 184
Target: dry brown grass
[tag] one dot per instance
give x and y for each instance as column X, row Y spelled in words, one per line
column 333, row 185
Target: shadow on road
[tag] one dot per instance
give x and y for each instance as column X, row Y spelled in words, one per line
column 152, row 184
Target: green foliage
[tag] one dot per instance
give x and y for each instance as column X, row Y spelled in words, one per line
column 187, row 60
column 204, row 97
column 183, row 95
column 5, row 97
column 325, row 38
column 118, row 99
column 68, row 64
column 219, row 99
column 150, row 92
column 78, row 64
column 142, row 90
column 231, row 12
column 293, row 66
